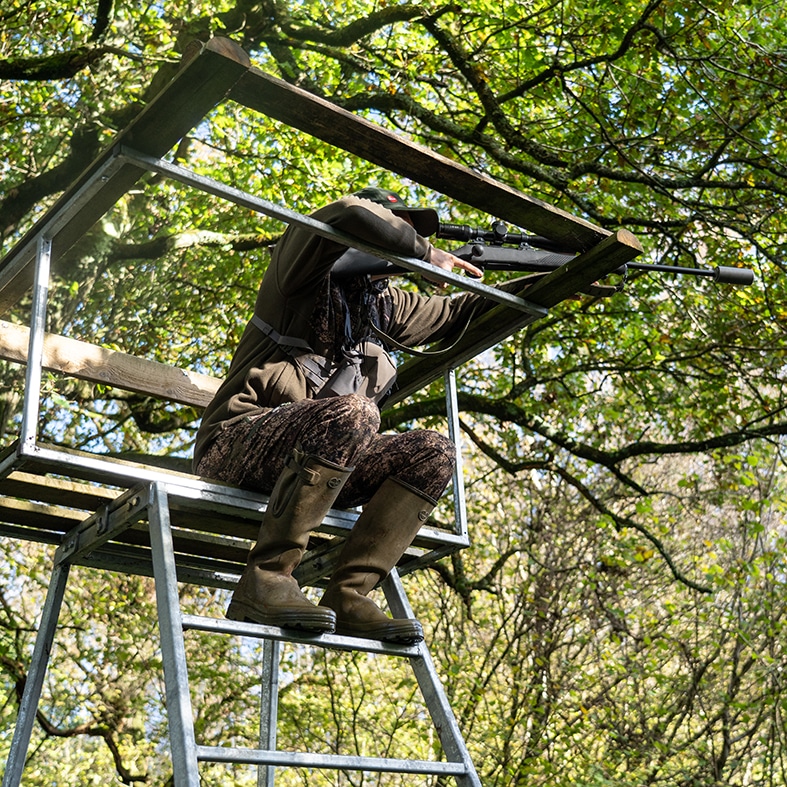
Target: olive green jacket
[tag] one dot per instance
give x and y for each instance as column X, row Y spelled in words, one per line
column 262, row 375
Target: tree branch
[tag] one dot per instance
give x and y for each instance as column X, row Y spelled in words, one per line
column 622, row 522
column 50, row 729
column 83, row 147
column 164, row 244
column 103, row 15
column 62, row 65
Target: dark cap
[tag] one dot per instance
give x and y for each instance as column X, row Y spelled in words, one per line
column 425, row 220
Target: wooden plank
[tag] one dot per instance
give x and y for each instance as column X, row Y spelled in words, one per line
column 207, row 73
column 44, row 523
column 217, row 524
column 502, row 321
column 50, row 519
column 48, row 499
column 110, row 367
column 97, row 364
column 43, row 508
column 211, row 547
column 328, row 122
column 45, row 489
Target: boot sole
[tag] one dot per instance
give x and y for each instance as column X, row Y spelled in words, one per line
column 405, row 632
column 316, row 622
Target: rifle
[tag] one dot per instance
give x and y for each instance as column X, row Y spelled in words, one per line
column 497, row 249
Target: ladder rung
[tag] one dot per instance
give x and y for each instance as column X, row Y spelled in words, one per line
column 335, row 641
column 228, row 754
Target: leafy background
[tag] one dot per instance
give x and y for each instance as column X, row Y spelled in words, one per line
column 619, row 619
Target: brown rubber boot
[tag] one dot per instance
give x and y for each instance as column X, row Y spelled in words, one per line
column 385, row 528
column 267, row 592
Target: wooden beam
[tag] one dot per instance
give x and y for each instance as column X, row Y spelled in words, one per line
column 120, row 370
column 109, row 367
column 207, row 73
column 585, row 269
column 55, row 491
column 324, row 120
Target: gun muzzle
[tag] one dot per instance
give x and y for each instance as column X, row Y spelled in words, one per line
column 724, row 274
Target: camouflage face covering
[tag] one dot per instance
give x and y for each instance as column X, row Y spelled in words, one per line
column 355, row 360
column 355, row 303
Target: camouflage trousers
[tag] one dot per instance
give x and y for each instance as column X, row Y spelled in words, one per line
column 344, row 430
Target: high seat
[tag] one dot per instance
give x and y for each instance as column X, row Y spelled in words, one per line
column 138, row 517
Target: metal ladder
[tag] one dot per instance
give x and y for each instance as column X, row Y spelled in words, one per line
column 99, row 540
column 151, row 501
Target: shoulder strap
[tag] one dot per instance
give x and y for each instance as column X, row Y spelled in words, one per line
column 285, row 342
column 315, row 367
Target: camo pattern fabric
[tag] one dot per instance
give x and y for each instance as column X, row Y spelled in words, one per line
column 252, row 452
column 344, row 313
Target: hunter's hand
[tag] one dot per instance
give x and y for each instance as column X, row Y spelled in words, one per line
column 447, row 262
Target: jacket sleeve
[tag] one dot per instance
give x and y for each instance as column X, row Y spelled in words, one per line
column 302, row 258
column 419, row 319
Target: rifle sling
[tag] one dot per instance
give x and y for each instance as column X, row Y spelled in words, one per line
column 390, row 341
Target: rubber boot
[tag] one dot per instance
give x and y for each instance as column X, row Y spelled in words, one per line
column 267, row 592
column 385, row 528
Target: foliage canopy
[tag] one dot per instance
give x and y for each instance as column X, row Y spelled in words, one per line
column 620, row 618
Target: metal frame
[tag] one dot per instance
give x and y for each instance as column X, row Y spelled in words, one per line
column 94, row 467
column 242, row 198
column 211, row 73
column 92, row 542
column 152, row 501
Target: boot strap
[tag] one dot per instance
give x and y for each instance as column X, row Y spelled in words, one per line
column 295, row 465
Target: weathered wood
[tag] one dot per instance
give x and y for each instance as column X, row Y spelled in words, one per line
column 43, row 508
column 110, row 367
column 44, row 489
column 37, row 516
column 211, row 540
column 324, row 120
column 97, row 364
column 502, row 321
column 209, row 536
column 585, row 269
column 207, row 74
column 54, row 504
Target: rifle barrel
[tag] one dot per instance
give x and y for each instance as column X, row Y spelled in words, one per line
column 722, row 274
column 498, row 258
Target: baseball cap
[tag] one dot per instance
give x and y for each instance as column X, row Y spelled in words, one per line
column 425, row 220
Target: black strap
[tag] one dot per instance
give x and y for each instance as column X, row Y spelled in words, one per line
column 315, row 367
column 391, row 342
column 284, row 342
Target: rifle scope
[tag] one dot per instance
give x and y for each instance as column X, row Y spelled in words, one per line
column 497, row 236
